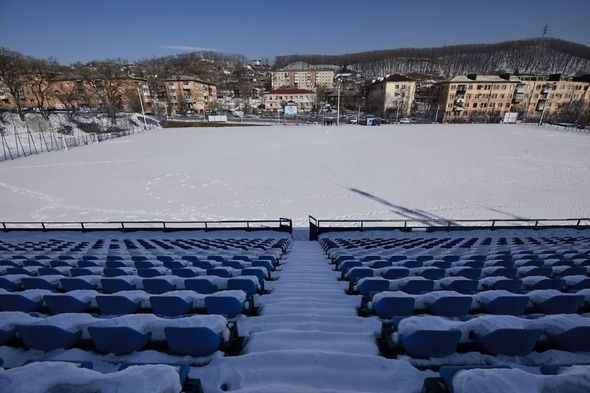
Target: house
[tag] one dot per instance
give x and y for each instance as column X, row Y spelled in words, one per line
column 275, row 100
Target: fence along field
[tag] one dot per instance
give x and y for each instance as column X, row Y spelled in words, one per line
column 59, row 131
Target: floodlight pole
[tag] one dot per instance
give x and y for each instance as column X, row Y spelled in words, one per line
column 142, row 111
column 338, row 111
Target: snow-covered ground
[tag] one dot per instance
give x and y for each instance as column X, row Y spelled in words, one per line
column 391, row 171
column 308, row 337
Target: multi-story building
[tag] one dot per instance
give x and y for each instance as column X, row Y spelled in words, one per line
column 478, row 98
column 391, row 96
column 186, row 93
column 487, row 98
column 309, row 79
column 275, row 100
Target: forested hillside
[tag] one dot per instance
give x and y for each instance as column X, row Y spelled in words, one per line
column 534, row 56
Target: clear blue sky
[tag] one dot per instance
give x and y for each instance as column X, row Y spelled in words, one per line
column 85, row 30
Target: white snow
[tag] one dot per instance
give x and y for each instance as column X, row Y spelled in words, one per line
column 308, row 337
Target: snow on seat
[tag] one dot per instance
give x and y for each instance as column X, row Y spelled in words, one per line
column 576, row 283
column 113, row 285
column 445, row 303
column 388, row 305
column 369, row 286
column 118, row 340
column 46, row 282
column 249, row 284
column 11, row 282
column 157, row 286
column 26, row 301
column 192, row 341
column 356, row 273
column 532, row 283
column 458, row 284
column 508, row 341
column 551, row 301
column 227, row 303
column 500, row 302
column 205, row 285
column 431, row 343
column 170, row 306
column 447, row 373
column 500, row 283
column 62, row 303
column 124, row 302
column 57, row 376
column 47, row 337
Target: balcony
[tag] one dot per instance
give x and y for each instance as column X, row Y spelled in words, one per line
column 461, row 89
column 518, row 97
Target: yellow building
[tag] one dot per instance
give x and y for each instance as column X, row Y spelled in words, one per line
column 391, row 96
column 187, row 94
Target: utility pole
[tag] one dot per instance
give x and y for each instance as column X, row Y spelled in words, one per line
column 545, row 30
column 338, row 110
column 142, row 111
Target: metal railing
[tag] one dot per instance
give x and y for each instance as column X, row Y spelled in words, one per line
column 319, row 226
column 281, row 224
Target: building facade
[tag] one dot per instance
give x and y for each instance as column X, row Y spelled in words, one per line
column 487, row 98
column 275, row 100
column 391, row 96
column 303, row 79
column 186, row 94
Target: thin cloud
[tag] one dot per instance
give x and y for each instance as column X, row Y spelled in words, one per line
column 190, row 48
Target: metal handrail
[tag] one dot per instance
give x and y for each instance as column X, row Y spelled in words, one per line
column 282, row 224
column 318, row 226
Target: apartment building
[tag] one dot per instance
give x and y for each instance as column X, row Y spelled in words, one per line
column 309, row 79
column 487, row 98
column 186, row 94
column 391, row 96
column 275, row 100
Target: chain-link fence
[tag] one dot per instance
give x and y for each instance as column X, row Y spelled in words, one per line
column 37, row 133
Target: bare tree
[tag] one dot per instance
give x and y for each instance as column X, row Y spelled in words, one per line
column 40, row 78
column 107, row 81
column 12, row 66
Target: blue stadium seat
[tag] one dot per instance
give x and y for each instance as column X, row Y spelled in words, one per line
column 547, row 283
column 262, row 263
column 157, row 286
column 6, row 335
column 61, row 304
column 173, row 265
column 116, row 305
column 113, row 272
column 468, row 272
column 149, row 272
column 71, row 284
column 576, row 339
column 118, row 340
column 18, row 302
column 507, row 305
column 396, row 272
column 227, row 306
column 243, row 284
column 192, row 341
column 451, row 306
column 507, row 284
column 115, row 265
column 432, row 273
column 203, row 265
column 560, row 304
column 259, row 272
column 10, row 285
column 233, row 264
column 47, row 337
column 417, row 287
column 113, row 285
column 143, row 264
column 219, row 272
column 381, row 264
column 347, row 265
column 463, row 286
column 169, row 306
column 81, row 271
column 184, row 272
column 372, row 285
column 389, row 307
column 49, row 271
column 200, row 285
column 511, row 342
column 431, row 343
column 356, row 273
column 38, row 283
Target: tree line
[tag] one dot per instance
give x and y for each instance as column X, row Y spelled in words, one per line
column 532, row 56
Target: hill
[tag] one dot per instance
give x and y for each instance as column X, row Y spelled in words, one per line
column 528, row 56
